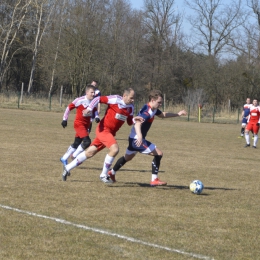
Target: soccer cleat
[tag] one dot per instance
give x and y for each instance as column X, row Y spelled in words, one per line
column 65, row 174
column 157, row 182
column 253, row 146
column 242, row 135
column 64, row 162
column 106, row 179
column 112, row 177
column 247, row 145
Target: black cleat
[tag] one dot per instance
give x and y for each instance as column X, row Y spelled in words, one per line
column 253, row 146
column 247, row 145
column 65, row 174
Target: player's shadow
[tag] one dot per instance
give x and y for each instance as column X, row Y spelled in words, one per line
column 125, row 170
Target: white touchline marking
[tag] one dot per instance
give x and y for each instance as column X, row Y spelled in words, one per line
column 131, row 239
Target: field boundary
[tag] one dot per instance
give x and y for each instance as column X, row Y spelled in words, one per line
column 104, row 232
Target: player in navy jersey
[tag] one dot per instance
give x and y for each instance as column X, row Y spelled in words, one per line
column 244, row 116
column 81, row 124
column 137, row 141
column 119, row 110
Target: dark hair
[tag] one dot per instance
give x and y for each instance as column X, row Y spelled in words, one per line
column 154, row 94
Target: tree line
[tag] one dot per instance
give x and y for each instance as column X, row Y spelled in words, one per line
column 46, row 44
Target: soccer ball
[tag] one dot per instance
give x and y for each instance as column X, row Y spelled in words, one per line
column 196, row 187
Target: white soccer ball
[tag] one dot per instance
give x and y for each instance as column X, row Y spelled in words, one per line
column 196, row 187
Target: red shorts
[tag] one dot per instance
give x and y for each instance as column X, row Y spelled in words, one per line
column 81, row 130
column 252, row 126
column 103, row 139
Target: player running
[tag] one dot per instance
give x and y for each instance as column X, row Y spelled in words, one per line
column 137, row 141
column 253, row 123
column 119, row 110
column 81, row 124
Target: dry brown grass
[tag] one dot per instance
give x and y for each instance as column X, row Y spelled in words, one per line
column 221, row 223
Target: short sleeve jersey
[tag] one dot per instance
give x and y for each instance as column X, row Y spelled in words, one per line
column 80, row 104
column 147, row 114
column 116, row 114
column 254, row 114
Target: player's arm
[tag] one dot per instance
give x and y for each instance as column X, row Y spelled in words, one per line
column 138, row 131
column 66, row 114
column 242, row 115
column 168, row 114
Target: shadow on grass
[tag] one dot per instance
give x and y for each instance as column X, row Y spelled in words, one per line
column 119, row 172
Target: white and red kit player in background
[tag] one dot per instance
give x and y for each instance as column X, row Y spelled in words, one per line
column 119, row 110
column 253, row 123
column 81, row 124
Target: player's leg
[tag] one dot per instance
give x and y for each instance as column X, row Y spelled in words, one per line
column 247, row 130
column 129, row 155
column 243, row 126
column 109, row 141
column 86, row 141
column 158, row 154
column 72, row 148
column 90, row 152
column 255, row 130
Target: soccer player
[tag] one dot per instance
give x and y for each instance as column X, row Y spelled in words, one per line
column 137, row 141
column 244, row 116
column 253, row 123
column 81, row 124
column 119, row 110
column 97, row 94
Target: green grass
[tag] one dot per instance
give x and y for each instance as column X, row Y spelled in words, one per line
column 221, row 223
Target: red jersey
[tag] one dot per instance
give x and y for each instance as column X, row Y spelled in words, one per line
column 254, row 114
column 116, row 114
column 80, row 104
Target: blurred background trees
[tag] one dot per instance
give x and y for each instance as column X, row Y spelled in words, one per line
column 46, row 44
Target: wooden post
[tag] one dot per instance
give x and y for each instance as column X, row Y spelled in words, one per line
column 21, row 97
column 61, row 91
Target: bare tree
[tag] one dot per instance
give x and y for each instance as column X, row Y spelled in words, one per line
column 162, row 23
column 10, row 26
column 62, row 17
column 214, row 23
column 42, row 7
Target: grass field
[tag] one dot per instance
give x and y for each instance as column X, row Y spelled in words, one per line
column 42, row 217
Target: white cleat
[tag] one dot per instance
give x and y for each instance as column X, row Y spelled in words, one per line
column 106, row 179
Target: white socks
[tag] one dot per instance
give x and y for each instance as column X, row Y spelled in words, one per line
column 247, row 138
column 154, row 176
column 107, row 164
column 255, row 139
column 68, row 153
column 77, row 161
column 78, row 151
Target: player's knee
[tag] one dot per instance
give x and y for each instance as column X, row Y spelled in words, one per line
column 114, row 150
column 76, row 143
column 86, row 142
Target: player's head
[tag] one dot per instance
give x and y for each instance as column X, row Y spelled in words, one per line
column 90, row 91
column 255, row 102
column 248, row 100
column 94, row 83
column 128, row 96
column 155, row 98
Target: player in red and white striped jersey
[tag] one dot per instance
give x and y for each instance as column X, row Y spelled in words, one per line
column 119, row 110
column 81, row 123
column 253, row 123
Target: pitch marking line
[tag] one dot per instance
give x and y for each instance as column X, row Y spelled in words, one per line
column 131, row 239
